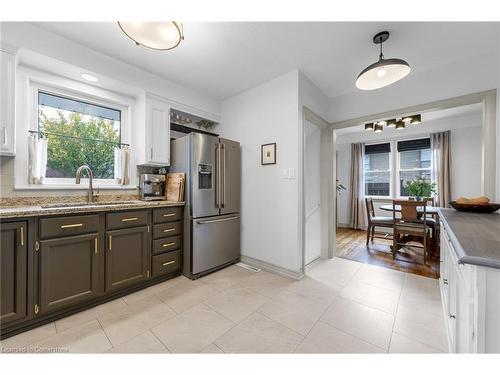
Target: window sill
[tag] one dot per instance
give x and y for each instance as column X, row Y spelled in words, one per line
column 73, row 187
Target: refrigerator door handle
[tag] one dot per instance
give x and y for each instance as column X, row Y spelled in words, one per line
column 217, row 175
column 223, row 169
column 217, row 220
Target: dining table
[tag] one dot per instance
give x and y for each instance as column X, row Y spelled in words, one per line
column 430, row 210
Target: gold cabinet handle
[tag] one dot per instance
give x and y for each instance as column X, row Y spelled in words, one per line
column 168, row 230
column 21, row 229
column 95, row 245
column 168, row 244
column 130, row 219
column 71, row 226
column 110, row 242
column 168, row 263
column 168, row 215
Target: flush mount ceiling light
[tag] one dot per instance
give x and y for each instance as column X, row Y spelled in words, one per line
column 379, row 128
column 385, row 71
column 369, row 126
column 382, row 122
column 89, row 77
column 154, row 35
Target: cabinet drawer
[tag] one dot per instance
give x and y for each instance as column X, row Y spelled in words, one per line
column 128, row 219
column 68, row 226
column 167, row 230
column 166, row 244
column 166, row 263
column 165, row 215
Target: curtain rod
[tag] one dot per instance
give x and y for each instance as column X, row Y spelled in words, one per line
column 81, row 139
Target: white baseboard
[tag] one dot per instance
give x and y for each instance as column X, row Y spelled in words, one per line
column 295, row 275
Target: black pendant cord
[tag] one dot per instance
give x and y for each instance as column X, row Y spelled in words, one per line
column 381, row 56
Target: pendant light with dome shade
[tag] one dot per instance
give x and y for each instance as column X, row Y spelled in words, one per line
column 155, row 35
column 383, row 72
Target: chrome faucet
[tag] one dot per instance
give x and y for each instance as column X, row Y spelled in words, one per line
column 90, row 196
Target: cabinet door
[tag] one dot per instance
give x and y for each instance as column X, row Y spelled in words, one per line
column 158, row 132
column 13, row 275
column 464, row 326
column 7, row 117
column 128, row 257
column 69, row 271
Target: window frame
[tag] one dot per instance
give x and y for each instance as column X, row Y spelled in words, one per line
column 37, row 88
column 399, row 170
column 390, row 170
column 394, row 169
column 29, row 83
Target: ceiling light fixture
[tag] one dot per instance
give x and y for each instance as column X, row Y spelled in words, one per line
column 379, row 128
column 89, row 77
column 383, row 72
column 400, row 125
column 391, row 123
column 154, row 35
column 417, row 119
column 407, row 118
column 382, row 122
column 369, row 126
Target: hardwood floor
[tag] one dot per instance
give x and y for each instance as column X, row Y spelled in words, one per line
column 351, row 244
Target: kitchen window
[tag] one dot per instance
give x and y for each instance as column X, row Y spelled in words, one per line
column 377, row 170
column 414, row 160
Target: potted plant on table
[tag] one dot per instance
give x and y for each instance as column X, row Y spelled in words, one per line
column 420, row 187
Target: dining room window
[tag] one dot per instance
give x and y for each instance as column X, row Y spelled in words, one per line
column 415, row 159
column 377, row 170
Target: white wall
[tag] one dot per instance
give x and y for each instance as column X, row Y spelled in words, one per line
column 312, row 193
column 270, row 205
column 466, row 143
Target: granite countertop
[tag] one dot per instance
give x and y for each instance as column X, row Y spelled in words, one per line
column 475, row 237
column 74, row 208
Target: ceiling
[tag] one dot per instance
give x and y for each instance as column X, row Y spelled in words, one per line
column 221, row 59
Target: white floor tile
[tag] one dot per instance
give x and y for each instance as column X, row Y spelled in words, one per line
column 324, row 338
column 368, row 324
column 146, row 342
column 405, row 345
column 24, row 339
column 259, row 334
column 378, row 298
column 193, row 330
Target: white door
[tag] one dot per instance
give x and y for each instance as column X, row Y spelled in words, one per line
column 312, row 192
column 158, row 132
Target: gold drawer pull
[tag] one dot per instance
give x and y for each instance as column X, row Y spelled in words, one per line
column 168, row 230
column 21, row 229
column 130, row 219
column 168, row 244
column 168, row 215
column 71, row 226
column 168, row 263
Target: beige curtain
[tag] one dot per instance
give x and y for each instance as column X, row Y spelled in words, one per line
column 356, row 190
column 122, row 165
column 441, row 166
column 37, row 159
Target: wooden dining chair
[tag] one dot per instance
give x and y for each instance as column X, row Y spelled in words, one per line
column 375, row 221
column 433, row 224
column 411, row 225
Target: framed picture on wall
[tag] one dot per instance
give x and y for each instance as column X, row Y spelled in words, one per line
column 268, row 154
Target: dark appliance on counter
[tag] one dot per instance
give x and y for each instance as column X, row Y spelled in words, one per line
column 152, row 187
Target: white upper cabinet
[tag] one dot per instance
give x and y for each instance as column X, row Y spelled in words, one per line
column 7, row 100
column 157, row 132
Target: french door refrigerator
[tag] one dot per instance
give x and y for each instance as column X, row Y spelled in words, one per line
column 212, row 213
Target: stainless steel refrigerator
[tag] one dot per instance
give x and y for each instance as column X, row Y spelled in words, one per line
column 212, row 213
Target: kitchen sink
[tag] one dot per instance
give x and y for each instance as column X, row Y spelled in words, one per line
column 89, row 204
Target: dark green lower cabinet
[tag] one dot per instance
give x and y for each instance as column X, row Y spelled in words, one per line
column 13, row 277
column 128, row 257
column 69, row 271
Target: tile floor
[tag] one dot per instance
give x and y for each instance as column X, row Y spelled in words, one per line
column 341, row 306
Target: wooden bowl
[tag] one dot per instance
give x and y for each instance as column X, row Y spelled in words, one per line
column 478, row 208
